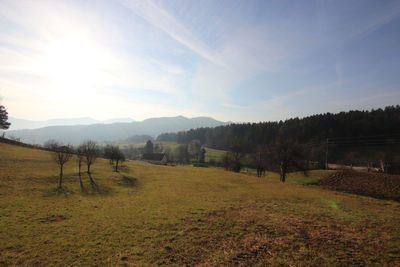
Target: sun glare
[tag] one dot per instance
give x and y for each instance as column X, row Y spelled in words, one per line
column 72, row 63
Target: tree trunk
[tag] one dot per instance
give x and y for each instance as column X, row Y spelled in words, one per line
column 283, row 172
column 80, row 180
column 116, row 165
column 382, row 166
column 80, row 176
column 283, row 177
column 61, row 176
column 94, row 185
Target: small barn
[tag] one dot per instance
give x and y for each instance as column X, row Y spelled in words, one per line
column 155, row 158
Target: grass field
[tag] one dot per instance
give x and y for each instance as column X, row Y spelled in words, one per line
column 149, row 215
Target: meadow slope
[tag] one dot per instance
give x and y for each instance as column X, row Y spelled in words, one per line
column 148, row 215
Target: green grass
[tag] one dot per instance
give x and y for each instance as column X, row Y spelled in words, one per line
column 148, row 215
column 214, row 154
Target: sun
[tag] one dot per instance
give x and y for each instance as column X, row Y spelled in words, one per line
column 73, row 62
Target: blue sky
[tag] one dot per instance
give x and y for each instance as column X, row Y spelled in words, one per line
column 231, row 60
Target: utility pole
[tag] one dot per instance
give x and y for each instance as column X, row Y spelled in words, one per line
column 326, row 154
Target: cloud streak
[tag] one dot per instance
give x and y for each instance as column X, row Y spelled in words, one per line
column 161, row 19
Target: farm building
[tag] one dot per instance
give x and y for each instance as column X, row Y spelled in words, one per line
column 155, row 158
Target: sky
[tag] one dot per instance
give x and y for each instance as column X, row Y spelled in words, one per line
column 241, row 61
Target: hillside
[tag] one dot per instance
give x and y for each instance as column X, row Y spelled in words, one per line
column 148, row 215
column 75, row 134
column 342, row 129
column 353, row 137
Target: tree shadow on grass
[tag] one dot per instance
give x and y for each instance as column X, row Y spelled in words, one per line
column 92, row 188
column 126, row 181
column 88, row 188
column 99, row 189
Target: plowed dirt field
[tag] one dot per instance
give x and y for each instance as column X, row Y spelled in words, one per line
column 378, row 185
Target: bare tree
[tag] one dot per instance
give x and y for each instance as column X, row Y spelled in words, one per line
column 116, row 154
column 285, row 156
column 61, row 155
column 169, row 153
column 80, row 157
column 90, row 153
column 51, row 144
column 182, row 154
column 226, row 161
column 107, row 153
column 195, row 150
column 259, row 159
column 235, row 155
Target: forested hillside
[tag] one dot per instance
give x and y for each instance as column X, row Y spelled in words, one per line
column 346, row 133
column 382, row 122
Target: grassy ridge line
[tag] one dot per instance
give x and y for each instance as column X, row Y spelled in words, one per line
column 17, row 143
column 149, row 215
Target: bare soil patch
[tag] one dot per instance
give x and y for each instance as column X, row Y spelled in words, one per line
column 376, row 185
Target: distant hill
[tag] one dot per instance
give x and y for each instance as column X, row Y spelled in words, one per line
column 101, row 132
column 141, row 138
column 19, row 124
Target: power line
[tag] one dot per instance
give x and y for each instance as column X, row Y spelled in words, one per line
column 395, row 135
column 360, row 142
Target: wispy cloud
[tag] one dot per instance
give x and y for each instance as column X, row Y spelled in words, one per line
column 247, row 52
column 242, row 53
column 161, row 19
column 378, row 19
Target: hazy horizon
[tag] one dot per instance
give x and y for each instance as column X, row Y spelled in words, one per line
column 188, row 117
column 108, row 119
column 230, row 60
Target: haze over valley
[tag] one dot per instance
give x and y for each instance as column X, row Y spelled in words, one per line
column 107, row 131
column 19, row 124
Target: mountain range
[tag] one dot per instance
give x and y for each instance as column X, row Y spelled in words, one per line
column 111, row 132
column 19, row 124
